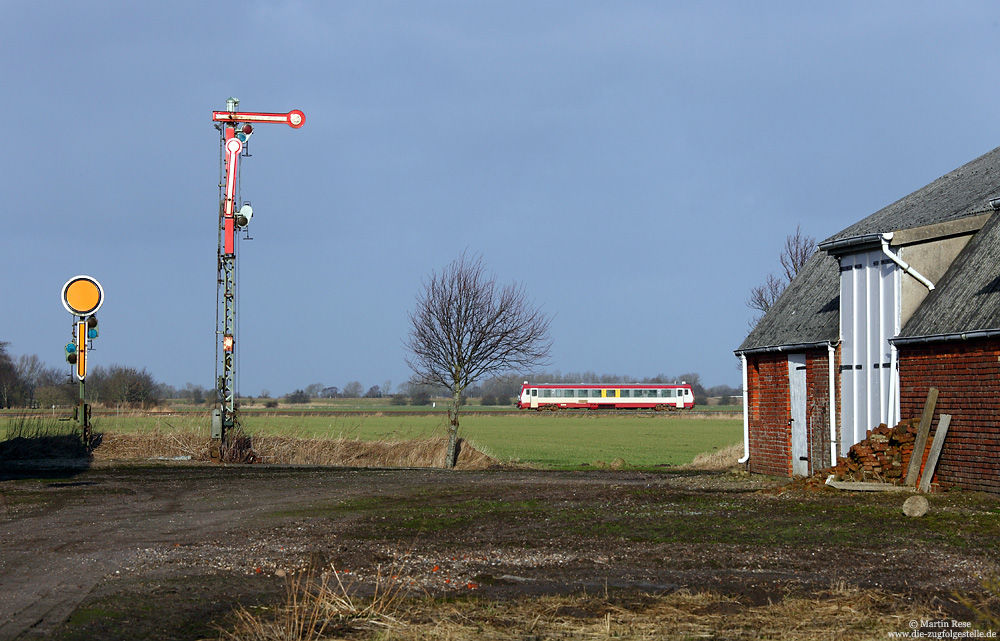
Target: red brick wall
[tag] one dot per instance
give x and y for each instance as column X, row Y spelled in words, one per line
column 967, row 375
column 770, row 409
column 769, row 406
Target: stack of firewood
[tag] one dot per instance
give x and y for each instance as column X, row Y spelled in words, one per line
column 883, row 456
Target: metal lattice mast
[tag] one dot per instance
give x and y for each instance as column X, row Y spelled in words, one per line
column 235, row 129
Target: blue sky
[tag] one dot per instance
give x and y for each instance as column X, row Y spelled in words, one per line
column 637, row 165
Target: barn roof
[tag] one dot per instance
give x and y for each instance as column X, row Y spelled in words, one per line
column 963, row 192
column 966, row 300
column 806, row 313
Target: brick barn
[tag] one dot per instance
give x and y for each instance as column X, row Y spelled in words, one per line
column 903, row 300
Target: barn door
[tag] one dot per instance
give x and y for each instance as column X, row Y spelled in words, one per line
column 869, row 317
column 797, row 422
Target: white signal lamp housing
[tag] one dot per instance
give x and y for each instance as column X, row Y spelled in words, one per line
column 244, row 215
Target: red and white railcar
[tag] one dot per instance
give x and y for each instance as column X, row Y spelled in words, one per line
column 645, row 396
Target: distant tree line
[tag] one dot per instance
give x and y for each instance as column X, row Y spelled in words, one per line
column 25, row 381
column 503, row 390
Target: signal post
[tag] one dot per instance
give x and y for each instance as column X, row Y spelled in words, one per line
column 82, row 296
column 235, row 129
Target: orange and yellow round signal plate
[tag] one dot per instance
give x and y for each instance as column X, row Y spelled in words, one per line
column 82, row 295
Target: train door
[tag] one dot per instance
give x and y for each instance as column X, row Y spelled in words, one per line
column 534, row 398
column 797, row 421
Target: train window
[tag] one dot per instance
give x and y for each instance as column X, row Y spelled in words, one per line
column 546, row 393
column 669, row 393
column 611, row 393
column 625, row 393
column 534, row 392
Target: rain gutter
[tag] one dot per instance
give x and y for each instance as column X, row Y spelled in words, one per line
column 957, row 336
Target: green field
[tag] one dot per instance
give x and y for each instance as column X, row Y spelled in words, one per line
column 557, row 440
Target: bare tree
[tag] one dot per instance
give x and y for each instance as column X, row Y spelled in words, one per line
column 125, row 385
column 8, row 376
column 466, row 327
column 764, row 295
column 798, row 249
column 353, row 389
column 29, row 371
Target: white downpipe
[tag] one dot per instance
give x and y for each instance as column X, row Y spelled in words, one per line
column 746, row 413
column 830, row 354
column 885, row 238
column 891, row 418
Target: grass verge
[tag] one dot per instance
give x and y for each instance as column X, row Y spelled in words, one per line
column 38, row 437
column 341, row 451
column 841, row 613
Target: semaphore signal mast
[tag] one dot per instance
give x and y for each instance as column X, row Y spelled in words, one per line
column 235, row 129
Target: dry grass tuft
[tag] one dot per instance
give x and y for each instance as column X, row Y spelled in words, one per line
column 318, row 607
column 617, row 464
column 840, row 613
column 843, row 614
column 717, row 460
column 152, row 445
column 986, row 605
column 340, row 451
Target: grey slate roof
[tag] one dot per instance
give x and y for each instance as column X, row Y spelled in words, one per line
column 967, row 298
column 963, row 192
column 807, row 312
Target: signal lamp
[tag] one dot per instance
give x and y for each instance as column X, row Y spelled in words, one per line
column 92, row 329
column 244, row 215
column 243, row 133
column 71, row 353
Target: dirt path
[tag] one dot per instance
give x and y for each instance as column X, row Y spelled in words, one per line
column 162, row 552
